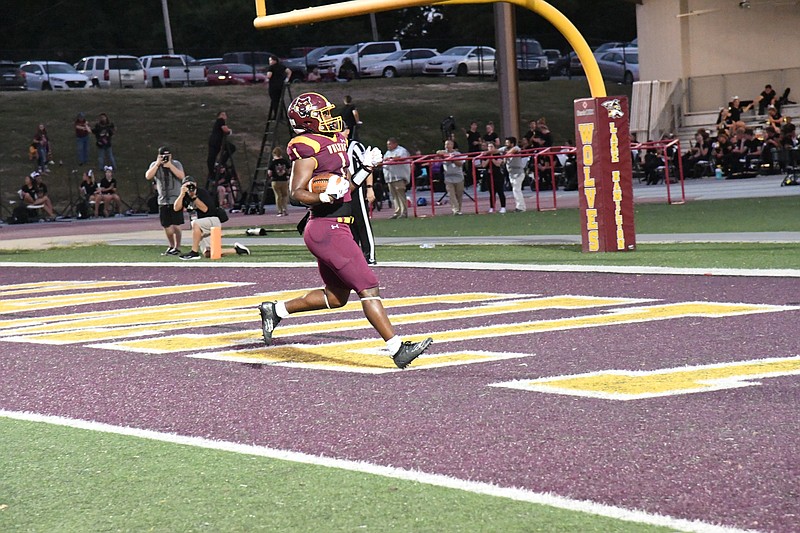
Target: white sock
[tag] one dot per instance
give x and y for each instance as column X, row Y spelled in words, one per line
column 280, row 309
column 393, row 344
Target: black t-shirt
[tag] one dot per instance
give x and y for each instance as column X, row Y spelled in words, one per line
column 736, row 113
column 279, row 169
column 217, row 135
column 89, row 188
column 278, row 71
column 204, row 197
column 103, row 134
column 491, row 137
column 106, row 183
column 473, row 141
column 348, row 116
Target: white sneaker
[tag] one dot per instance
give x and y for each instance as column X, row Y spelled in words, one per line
column 491, row 210
column 502, row 210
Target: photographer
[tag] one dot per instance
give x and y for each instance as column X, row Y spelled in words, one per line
column 168, row 174
column 204, row 216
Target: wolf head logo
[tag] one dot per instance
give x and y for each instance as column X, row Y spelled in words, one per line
column 614, row 108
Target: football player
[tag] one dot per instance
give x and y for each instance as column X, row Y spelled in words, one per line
column 321, row 148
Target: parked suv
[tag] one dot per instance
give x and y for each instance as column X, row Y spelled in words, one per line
column 53, row 75
column 531, row 60
column 350, row 62
column 11, row 77
column 113, row 72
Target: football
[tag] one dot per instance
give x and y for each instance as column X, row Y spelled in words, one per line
column 319, row 183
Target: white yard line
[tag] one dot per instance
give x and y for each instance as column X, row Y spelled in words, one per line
column 385, row 471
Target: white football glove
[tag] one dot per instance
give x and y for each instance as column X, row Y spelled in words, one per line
column 373, row 156
column 337, row 187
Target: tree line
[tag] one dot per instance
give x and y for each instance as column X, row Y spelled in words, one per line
column 68, row 30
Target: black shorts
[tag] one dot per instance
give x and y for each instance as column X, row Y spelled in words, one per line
column 170, row 217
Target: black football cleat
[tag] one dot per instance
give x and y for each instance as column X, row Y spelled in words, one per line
column 269, row 320
column 409, row 351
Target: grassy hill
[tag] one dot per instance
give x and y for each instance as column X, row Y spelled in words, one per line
column 410, row 109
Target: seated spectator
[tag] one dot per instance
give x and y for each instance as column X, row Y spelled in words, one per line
column 754, row 149
column 314, row 76
column 698, row 153
column 789, row 145
column 774, row 118
column 34, row 192
column 652, row 160
column 771, row 150
column 735, row 161
column 724, row 120
column 90, row 195
column 721, row 150
column 767, row 97
column 735, row 108
column 108, row 190
column 784, row 99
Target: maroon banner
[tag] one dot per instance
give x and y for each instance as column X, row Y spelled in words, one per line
column 605, row 174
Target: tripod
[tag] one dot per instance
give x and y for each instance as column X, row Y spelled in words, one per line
column 140, row 204
column 69, row 211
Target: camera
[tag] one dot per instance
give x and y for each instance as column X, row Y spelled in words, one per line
column 191, row 187
column 165, row 157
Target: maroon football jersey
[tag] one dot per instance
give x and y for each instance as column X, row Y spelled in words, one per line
column 329, row 153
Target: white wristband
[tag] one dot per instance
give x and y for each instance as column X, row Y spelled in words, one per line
column 325, row 198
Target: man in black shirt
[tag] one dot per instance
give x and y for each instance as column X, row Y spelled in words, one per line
column 204, row 216
column 216, row 142
column 277, row 75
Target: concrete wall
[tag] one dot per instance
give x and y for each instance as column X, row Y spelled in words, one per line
column 726, row 40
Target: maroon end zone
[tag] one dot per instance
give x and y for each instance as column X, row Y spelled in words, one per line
column 726, row 456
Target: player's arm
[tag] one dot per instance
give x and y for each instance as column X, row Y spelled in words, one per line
column 302, row 170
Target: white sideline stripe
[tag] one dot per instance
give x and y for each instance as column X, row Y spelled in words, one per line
column 747, row 272
column 437, row 480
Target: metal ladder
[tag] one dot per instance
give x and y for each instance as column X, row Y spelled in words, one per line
column 259, row 186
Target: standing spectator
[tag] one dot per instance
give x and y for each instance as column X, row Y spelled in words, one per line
column 168, row 174
column 103, row 131
column 767, row 97
column 217, row 152
column 82, row 131
column 453, row 176
column 314, row 76
column 108, row 189
column 351, row 119
column 278, row 171
column 397, row 177
column 278, row 74
column 203, row 215
column 516, row 172
column 542, row 137
column 490, row 136
column 41, row 142
column 34, row 192
column 473, row 138
column 494, row 167
column 531, row 132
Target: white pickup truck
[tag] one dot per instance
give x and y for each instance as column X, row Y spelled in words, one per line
column 172, row 71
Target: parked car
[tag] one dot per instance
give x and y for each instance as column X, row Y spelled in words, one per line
column 233, row 74
column 531, row 60
column 11, row 77
column 401, row 63
column 206, row 61
column 463, row 61
column 113, row 71
column 349, row 63
column 557, row 62
column 301, row 66
column 619, row 64
column 53, row 75
column 258, row 61
column 172, row 71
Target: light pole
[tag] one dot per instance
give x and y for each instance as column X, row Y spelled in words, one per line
column 167, row 28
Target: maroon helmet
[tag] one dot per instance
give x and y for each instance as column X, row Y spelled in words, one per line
column 312, row 112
